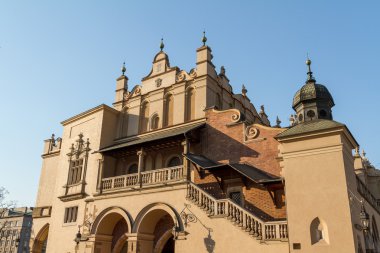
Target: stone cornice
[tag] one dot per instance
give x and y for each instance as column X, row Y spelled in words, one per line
column 89, row 112
column 318, row 133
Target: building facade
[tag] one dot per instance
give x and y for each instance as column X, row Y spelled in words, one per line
column 15, row 230
column 181, row 163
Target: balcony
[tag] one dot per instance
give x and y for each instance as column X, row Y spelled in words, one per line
column 146, row 179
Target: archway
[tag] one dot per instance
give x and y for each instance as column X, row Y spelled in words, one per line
column 154, row 226
column 40, row 242
column 110, row 229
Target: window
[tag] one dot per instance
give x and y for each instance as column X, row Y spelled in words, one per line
column 155, row 120
column 168, row 110
column 174, row 161
column 76, row 171
column 190, row 104
column 71, row 214
column 144, row 117
column 133, row 169
column 318, row 231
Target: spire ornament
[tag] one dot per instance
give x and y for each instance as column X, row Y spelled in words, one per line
column 123, row 69
column 310, row 77
column 278, row 122
column 162, row 44
column 204, row 39
column 244, row 90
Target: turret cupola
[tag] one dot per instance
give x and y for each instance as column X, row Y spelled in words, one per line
column 313, row 101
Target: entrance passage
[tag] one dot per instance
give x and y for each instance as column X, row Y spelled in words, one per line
column 154, row 227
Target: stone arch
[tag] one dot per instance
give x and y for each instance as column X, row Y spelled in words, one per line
column 110, row 229
column 318, row 231
column 154, row 225
column 162, row 241
column 105, row 217
column 170, row 159
column 132, row 168
column 160, row 207
column 41, row 239
column 154, row 121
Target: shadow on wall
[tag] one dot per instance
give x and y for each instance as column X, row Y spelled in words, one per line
column 209, row 243
column 221, row 147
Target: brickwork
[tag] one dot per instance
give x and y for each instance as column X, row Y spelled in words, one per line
column 225, row 142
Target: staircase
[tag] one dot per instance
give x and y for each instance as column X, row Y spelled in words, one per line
column 239, row 216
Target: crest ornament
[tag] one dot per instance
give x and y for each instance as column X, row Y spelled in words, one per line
column 158, row 82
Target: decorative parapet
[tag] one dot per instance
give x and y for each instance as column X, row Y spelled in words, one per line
column 41, row 212
column 52, row 146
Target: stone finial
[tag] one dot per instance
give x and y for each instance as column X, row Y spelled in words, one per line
column 162, row 44
column 222, row 71
column 363, row 153
column 52, row 140
column 204, row 39
column 278, row 122
column 262, row 109
column 244, row 90
column 123, row 69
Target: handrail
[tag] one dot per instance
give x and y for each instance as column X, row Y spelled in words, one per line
column 146, row 178
column 275, row 230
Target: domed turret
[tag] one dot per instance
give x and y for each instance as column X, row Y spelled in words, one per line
column 312, row 101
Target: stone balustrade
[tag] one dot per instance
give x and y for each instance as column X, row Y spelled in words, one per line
column 266, row 231
column 152, row 177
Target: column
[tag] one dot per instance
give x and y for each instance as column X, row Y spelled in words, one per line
column 141, row 155
column 100, row 175
column 186, row 164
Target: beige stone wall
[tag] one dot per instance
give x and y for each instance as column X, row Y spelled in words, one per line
column 317, row 179
column 226, row 236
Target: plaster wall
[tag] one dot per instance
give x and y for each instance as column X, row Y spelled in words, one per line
column 316, row 187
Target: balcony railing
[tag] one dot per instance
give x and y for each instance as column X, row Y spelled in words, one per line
column 265, row 231
column 152, row 177
column 366, row 194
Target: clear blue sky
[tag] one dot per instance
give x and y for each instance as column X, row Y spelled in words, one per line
column 59, row 58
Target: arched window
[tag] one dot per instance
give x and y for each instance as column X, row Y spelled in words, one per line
column 190, row 104
column 318, row 231
column 154, row 121
column 174, row 161
column 168, row 110
column 133, row 169
column 144, row 117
